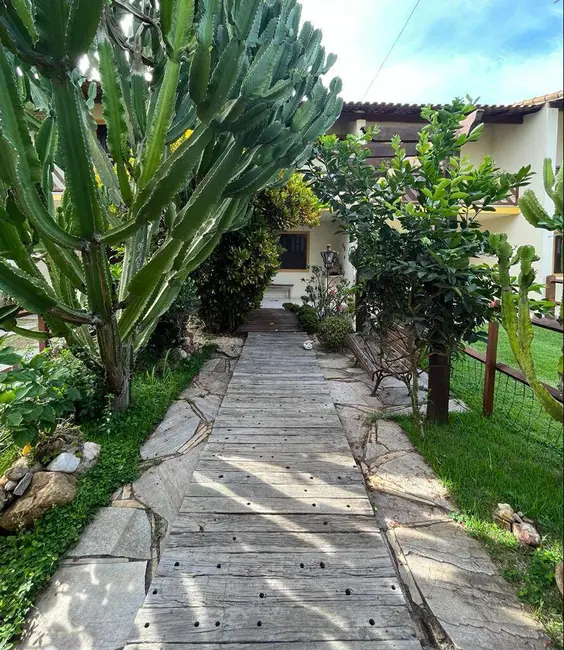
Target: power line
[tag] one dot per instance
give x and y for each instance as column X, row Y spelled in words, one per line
column 391, row 49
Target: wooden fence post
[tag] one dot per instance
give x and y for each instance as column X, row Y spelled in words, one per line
column 42, row 327
column 439, row 388
column 491, row 366
column 550, row 290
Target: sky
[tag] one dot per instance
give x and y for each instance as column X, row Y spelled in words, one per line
column 497, row 51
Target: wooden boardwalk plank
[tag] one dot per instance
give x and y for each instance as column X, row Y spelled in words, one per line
column 276, row 542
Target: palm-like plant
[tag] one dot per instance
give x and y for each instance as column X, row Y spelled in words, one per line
column 240, row 74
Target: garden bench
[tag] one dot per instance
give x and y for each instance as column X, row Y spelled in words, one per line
column 284, row 287
column 381, row 359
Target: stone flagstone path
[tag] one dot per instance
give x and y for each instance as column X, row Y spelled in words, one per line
column 276, row 542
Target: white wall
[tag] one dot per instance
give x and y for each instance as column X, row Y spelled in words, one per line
column 319, row 238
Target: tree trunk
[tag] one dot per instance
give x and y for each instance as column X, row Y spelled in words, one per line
column 360, row 306
column 117, row 367
column 439, row 388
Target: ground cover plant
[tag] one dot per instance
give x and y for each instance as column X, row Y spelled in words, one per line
column 483, row 462
column 243, row 78
column 30, row 558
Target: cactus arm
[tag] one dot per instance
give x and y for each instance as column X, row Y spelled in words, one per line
column 114, row 116
column 82, row 24
column 46, row 144
column 207, row 195
column 23, row 10
column 516, row 320
column 79, row 174
column 11, row 246
column 156, row 139
column 36, row 296
column 172, row 176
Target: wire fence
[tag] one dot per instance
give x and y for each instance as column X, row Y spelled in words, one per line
column 515, row 405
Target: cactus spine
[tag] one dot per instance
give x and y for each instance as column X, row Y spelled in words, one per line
column 239, row 74
column 516, row 307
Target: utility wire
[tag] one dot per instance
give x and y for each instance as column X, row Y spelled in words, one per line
column 391, row 49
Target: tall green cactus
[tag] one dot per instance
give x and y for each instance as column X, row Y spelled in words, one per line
column 516, row 307
column 240, row 74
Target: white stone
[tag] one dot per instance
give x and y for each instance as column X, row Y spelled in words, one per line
column 88, row 607
column 308, row 345
column 65, row 462
column 90, row 456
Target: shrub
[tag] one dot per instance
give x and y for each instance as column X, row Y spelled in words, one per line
column 293, row 205
column 333, row 330
column 169, row 332
column 232, row 281
column 327, row 301
column 34, row 396
column 291, row 306
column 307, row 319
column 91, row 400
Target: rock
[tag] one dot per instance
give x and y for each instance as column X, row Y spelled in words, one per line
column 22, row 486
column 18, row 470
column 10, row 486
column 4, row 496
column 504, row 516
column 47, row 489
column 65, row 462
column 526, row 534
column 3, row 481
column 90, row 456
column 559, row 575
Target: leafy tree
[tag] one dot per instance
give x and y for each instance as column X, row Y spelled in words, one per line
column 241, row 75
column 415, row 224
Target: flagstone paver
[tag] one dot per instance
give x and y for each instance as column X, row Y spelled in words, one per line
column 453, row 586
column 276, row 542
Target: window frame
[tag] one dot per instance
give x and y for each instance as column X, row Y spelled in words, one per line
column 307, row 236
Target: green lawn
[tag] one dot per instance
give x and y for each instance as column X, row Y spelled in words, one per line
column 546, row 347
column 30, row 558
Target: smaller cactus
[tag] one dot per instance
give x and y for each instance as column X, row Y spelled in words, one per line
column 516, row 308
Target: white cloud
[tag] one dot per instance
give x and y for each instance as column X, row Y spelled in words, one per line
column 361, row 32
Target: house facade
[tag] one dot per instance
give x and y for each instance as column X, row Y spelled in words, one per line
column 514, row 135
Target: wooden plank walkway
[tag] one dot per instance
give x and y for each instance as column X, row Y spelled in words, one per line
column 270, row 320
column 276, row 542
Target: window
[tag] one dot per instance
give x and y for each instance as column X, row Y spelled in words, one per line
column 294, row 257
column 558, row 254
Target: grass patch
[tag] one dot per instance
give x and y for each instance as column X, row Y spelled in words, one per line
column 483, row 463
column 524, row 418
column 546, row 348
column 30, row 558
